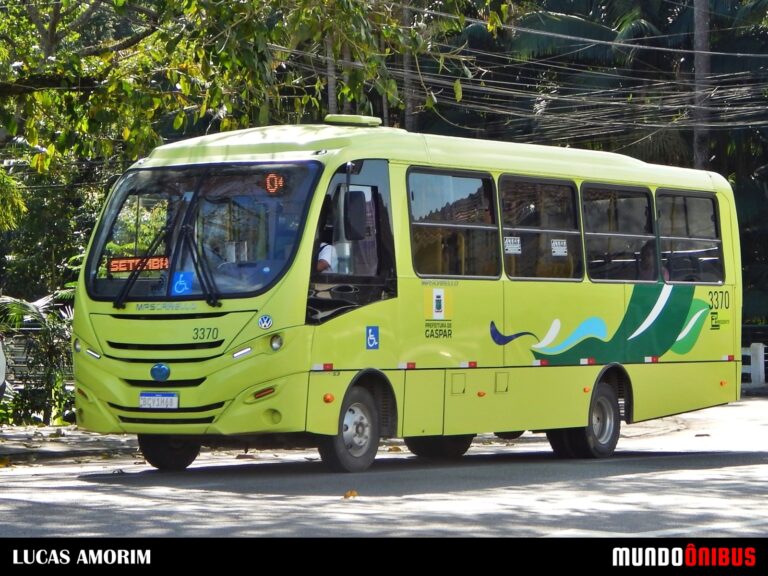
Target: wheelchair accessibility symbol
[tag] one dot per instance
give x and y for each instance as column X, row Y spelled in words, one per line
column 371, row 337
column 182, row 283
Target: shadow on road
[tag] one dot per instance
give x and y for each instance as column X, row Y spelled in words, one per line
column 398, row 476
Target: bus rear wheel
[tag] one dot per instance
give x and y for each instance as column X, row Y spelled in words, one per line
column 560, row 442
column 601, row 434
column 599, row 437
column 510, row 435
column 168, row 453
column 441, row 447
column 354, row 448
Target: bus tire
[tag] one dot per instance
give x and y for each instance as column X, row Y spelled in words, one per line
column 599, row 437
column 354, row 448
column 168, row 453
column 560, row 442
column 439, row 447
column 514, row 435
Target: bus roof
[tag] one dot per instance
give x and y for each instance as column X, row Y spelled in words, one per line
column 352, row 137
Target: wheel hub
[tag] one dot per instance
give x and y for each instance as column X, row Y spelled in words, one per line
column 602, row 421
column 357, row 429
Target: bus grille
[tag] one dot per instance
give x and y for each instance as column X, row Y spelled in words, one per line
column 184, row 346
column 192, row 382
column 206, row 408
column 131, row 420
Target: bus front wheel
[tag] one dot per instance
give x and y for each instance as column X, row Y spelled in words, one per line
column 442, row 447
column 168, row 453
column 354, row 447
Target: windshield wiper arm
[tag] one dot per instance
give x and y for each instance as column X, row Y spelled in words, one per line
column 119, row 301
column 202, row 268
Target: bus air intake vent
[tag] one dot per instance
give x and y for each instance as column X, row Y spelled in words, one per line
column 158, row 360
column 186, row 346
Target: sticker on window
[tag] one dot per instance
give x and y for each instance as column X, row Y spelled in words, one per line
column 182, row 283
column 512, row 245
column 559, row 248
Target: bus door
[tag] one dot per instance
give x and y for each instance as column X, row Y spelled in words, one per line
column 451, row 303
column 353, row 282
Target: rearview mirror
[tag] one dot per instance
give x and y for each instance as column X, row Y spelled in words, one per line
column 354, row 215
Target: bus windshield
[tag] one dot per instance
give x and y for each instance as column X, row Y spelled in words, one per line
column 199, row 231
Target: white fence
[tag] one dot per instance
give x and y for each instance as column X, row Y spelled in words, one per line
column 756, row 366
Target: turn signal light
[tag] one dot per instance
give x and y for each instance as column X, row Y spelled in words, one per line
column 263, row 392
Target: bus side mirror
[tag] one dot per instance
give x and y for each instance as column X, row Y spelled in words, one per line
column 354, row 215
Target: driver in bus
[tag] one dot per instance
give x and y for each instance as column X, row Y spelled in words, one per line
column 327, row 260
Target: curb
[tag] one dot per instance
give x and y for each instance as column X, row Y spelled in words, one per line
column 29, row 443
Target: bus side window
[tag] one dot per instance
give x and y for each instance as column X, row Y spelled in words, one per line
column 690, row 236
column 541, row 229
column 617, row 225
column 453, row 223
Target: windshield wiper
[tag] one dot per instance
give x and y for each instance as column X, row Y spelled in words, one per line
column 119, row 301
column 202, row 267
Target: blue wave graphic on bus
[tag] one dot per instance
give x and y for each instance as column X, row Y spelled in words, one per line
column 591, row 328
column 502, row 339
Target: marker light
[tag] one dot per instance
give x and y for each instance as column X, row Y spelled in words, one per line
column 263, row 392
column 76, row 345
column 276, row 342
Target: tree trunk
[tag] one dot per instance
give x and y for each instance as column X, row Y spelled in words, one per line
column 408, row 92
column 330, row 73
column 346, row 56
column 701, row 83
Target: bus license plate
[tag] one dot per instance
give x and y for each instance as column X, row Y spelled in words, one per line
column 168, row 400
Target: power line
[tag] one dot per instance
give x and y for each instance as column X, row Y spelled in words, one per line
column 582, row 39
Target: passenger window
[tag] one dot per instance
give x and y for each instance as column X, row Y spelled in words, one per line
column 690, row 238
column 619, row 234
column 541, row 229
column 453, row 224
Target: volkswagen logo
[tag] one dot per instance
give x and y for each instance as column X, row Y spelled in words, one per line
column 265, row 322
column 160, row 372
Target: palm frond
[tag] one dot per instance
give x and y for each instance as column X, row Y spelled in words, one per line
column 546, row 34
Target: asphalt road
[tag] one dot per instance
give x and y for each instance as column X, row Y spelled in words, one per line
column 694, row 475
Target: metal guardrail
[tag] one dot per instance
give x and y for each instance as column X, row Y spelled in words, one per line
column 756, row 366
column 19, row 372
